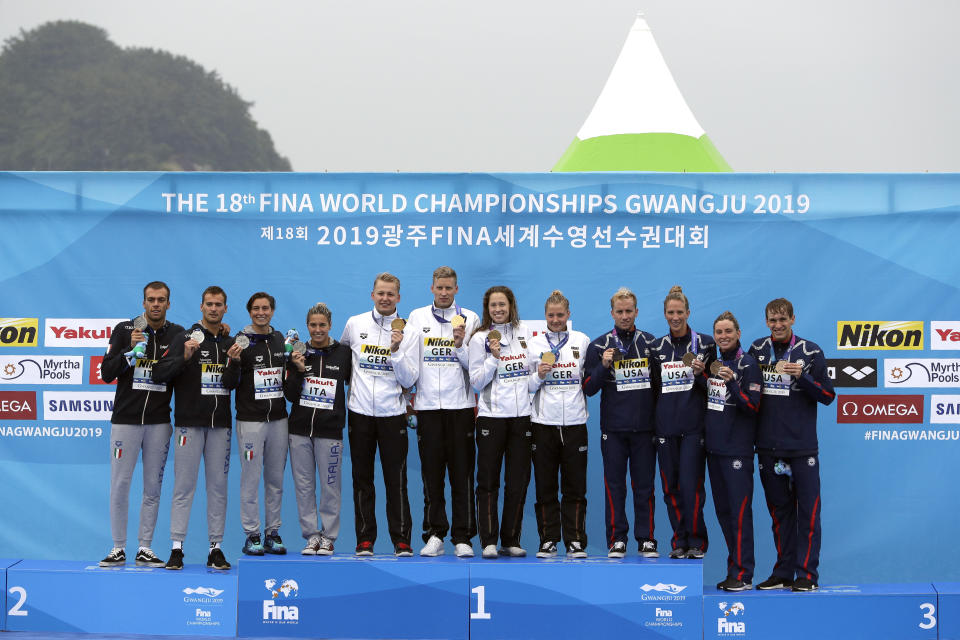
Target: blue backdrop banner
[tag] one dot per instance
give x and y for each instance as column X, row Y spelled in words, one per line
column 868, row 261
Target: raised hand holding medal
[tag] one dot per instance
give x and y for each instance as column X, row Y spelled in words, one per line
column 396, row 333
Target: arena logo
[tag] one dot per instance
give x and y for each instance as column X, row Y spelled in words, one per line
column 944, row 335
column 77, row 405
column 79, row 332
column 880, row 409
column 18, row 405
column 41, row 370
column 944, row 409
column 921, row 373
column 904, row 335
column 852, row 372
column 18, row 332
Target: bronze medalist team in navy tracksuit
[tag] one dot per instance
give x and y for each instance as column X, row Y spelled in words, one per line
column 685, row 400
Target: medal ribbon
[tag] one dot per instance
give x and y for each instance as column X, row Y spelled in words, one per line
column 786, row 354
column 439, row 318
column 556, row 348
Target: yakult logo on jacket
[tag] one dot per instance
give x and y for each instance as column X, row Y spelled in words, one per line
column 79, row 332
column 880, row 409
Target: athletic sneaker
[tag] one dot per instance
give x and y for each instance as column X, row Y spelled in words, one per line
column 547, row 550
column 402, row 550
column 253, row 546
column 513, row 552
column 326, row 547
column 805, row 584
column 147, row 558
column 115, row 557
column 313, row 544
column 490, row 552
column 679, row 552
column 648, row 549
column 434, row 547
column 695, row 553
column 364, row 548
column 463, row 550
column 215, row 559
column 576, row 550
column 176, row 559
column 775, row 582
column 732, row 584
column 273, row 544
column 617, row 550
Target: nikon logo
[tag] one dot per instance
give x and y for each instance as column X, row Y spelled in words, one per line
column 869, row 334
column 18, row 332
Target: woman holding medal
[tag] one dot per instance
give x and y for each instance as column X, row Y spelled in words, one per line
column 559, row 421
column 733, row 400
column 317, row 373
column 499, row 371
column 684, row 356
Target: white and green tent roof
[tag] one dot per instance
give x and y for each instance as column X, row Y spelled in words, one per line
column 641, row 122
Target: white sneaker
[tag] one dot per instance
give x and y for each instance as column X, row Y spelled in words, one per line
column 434, row 547
column 514, row 552
column 312, row 545
column 490, row 552
column 547, row 550
column 576, row 550
column 464, row 550
column 617, row 550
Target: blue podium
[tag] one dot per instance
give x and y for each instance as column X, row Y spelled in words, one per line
column 349, row 597
column 564, row 598
column 878, row 612
column 82, row 597
column 4, row 565
column 948, row 610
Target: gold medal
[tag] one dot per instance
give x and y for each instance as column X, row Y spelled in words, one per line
column 494, row 335
column 688, row 359
column 715, row 367
column 457, row 321
column 548, row 357
column 398, row 324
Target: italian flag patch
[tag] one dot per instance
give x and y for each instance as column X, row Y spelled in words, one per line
column 182, row 441
column 248, row 455
column 117, row 452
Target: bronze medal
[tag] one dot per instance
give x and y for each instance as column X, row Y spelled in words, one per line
column 548, row 357
column 715, row 367
column 780, row 366
column 688, row 359
column 398, row 324
column 617, row 355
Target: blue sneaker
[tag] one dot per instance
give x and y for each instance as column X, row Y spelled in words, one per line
column 273, row 544
column 253, row 546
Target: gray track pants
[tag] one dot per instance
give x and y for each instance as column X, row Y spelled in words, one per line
column 263, row 448
column 126, row 442
column 307, row 457
column 190, row 444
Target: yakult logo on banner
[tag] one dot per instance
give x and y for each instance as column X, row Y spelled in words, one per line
column 901, row 335
column 944, row 409
column 18, row 405
column 921, row 372
column 41, row 370
column 79, row 332
column 945, row 336
column 878, row 409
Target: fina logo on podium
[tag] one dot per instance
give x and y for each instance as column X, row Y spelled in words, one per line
column 728, row 626
column 274, row 613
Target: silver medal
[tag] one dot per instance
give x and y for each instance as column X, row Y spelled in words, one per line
column 197, row 336
column 139, row 323
column 242, row 340
column 299, row 347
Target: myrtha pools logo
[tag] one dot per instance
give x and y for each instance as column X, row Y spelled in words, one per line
column 274, row 613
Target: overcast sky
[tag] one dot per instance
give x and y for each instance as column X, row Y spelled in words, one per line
column 504, row 85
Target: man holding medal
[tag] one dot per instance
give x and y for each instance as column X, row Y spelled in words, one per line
column 140, row 420
column 619, row 365
column 438, row 359
column 794, row 380
column 193, row 364
column 376, row 416
column 255, row 370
